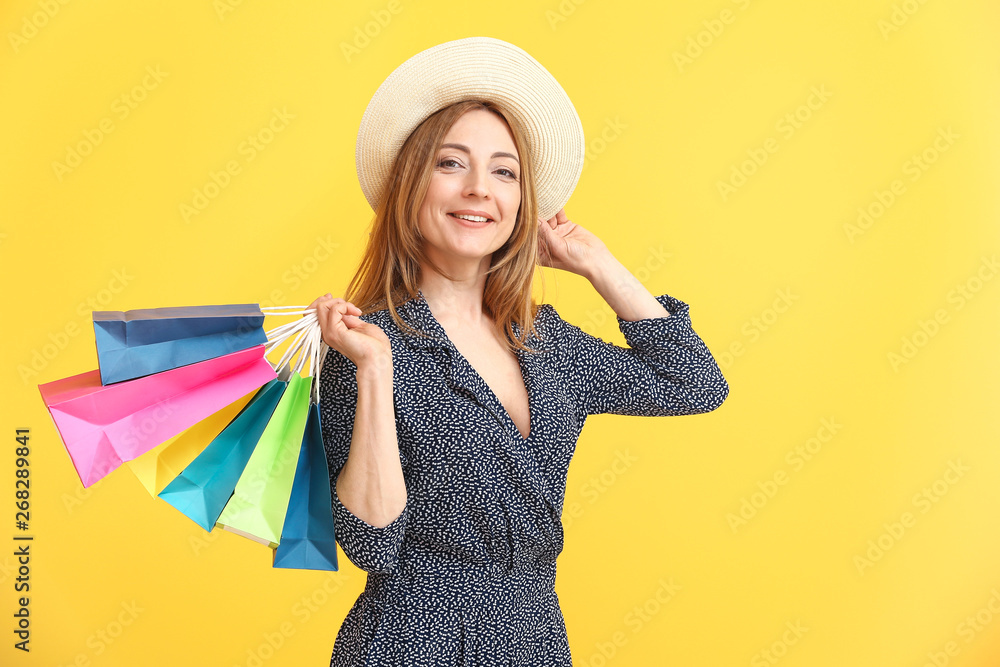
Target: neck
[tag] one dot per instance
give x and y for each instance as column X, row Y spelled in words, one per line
column 456, row 302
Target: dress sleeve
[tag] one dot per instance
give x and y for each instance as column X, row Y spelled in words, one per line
column 666, row 370
column 370, row 548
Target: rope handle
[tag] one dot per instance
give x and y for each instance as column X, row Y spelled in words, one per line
column 276, row 310
column 280, row 334
column 307, row 344
column 320, row 348
column 289, row 354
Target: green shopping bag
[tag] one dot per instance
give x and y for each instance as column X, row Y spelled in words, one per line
column 257, row 507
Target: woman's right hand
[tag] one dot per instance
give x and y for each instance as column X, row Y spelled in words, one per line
column 362, row 342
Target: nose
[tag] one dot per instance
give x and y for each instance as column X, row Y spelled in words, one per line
column 477, row 182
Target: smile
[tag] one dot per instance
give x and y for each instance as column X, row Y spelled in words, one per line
column 471, row 220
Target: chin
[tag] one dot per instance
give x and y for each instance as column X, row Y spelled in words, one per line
column 467, row 254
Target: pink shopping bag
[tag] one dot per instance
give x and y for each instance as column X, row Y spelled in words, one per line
column 104, row 426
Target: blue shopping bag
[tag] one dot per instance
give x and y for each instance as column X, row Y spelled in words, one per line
column 141, row 342
column 307, row 537
column 202, row 490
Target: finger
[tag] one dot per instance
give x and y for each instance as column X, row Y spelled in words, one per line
column 554, row 221
column 328, row 303
column 315, row 302
column 545, row 234
column 318, row 300
column 553, row 235
column 329, row 316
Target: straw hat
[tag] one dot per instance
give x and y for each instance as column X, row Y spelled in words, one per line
column 475, row 68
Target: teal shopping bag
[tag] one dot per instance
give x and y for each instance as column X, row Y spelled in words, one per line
column 202, row 490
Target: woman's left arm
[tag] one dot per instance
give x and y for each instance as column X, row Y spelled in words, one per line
column 667, row 370
column 628, row 297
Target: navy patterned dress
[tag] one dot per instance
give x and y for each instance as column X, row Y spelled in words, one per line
column 466, row 574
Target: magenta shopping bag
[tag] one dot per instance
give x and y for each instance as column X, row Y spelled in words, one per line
column 104, row 426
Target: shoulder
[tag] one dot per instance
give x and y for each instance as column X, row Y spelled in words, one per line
column 553, row 331
column 547, row 317
column 383, row 318
column 410, row 330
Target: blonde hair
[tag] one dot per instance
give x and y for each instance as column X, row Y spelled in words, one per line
column 389, row 270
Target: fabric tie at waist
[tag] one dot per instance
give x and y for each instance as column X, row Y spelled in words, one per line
column 486, row 589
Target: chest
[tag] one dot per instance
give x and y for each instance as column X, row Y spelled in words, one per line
column 501, row 371
column 454, row 428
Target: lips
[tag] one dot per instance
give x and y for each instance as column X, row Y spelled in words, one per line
column 480, row 214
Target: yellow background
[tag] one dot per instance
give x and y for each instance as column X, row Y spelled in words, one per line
column 802, row 312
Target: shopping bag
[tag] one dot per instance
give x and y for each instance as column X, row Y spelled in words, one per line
column 307, row 536
column 160, row 465
column 203, row 488
column 103, row 426
column 141, row 342
column 260, row 498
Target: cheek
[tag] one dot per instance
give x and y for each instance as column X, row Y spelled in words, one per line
column 513, row 201
column 429, row 198
column 423, row 226
column 431, row 201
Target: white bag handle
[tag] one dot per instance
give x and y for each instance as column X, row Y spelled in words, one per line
column 276, row 310
column 319, row 354
column 307, row 341
column 281, row 333
column 297, row 342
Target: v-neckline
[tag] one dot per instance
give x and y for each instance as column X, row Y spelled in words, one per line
column 496, row 399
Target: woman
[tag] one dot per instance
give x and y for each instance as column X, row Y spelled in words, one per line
column 451, row 403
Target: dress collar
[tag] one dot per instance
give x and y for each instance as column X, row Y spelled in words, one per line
column 417, row 313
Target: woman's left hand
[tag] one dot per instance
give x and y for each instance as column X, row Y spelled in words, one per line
column 563, row 244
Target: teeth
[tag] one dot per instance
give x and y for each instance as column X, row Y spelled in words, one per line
column 473, row 218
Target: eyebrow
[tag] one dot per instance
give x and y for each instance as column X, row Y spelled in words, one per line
column 465, row 148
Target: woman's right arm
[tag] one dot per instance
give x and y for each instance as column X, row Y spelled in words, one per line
column 371, row 483
column 359, row 434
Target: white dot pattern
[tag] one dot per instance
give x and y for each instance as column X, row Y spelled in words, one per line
column 466, row 574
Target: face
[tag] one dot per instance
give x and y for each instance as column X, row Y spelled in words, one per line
column 476, row 174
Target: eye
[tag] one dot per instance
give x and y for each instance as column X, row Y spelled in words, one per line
column 447, row 160
column 510, row 173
